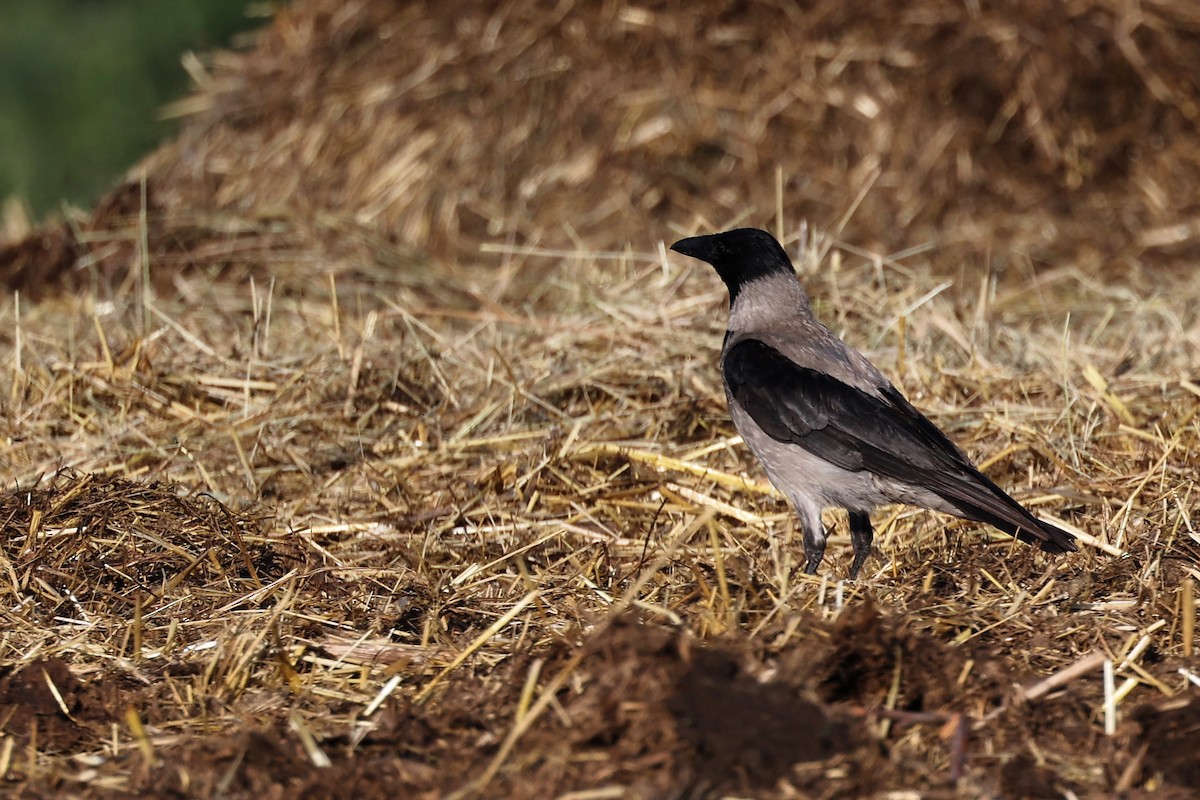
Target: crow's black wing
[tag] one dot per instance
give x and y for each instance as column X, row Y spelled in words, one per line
column 838, row 422
column 883, row 434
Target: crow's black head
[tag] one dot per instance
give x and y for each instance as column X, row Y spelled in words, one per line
column 739, row 256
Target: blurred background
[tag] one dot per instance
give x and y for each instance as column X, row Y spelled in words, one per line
column 82, row 84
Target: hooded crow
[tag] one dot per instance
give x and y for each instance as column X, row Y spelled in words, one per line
column 829, row 429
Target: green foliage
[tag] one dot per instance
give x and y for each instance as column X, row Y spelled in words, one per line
column 81, row 82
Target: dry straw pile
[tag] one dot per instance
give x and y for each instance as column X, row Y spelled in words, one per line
column 379, row 448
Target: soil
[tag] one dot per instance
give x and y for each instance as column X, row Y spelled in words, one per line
column 650, row 710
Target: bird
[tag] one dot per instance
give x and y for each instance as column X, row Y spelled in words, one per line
column 829, row 429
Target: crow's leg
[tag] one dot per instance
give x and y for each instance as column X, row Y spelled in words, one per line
column 814, row 536
column 861, row 536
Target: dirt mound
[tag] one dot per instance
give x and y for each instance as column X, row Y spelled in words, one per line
column 43, row 702
column 1166, row 731
column 650, row 709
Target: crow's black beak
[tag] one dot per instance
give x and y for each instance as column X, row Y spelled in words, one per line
column 704, row 248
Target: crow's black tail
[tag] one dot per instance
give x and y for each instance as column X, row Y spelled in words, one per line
column 1055, row 540
column 988, row 503
column 1015, row 521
